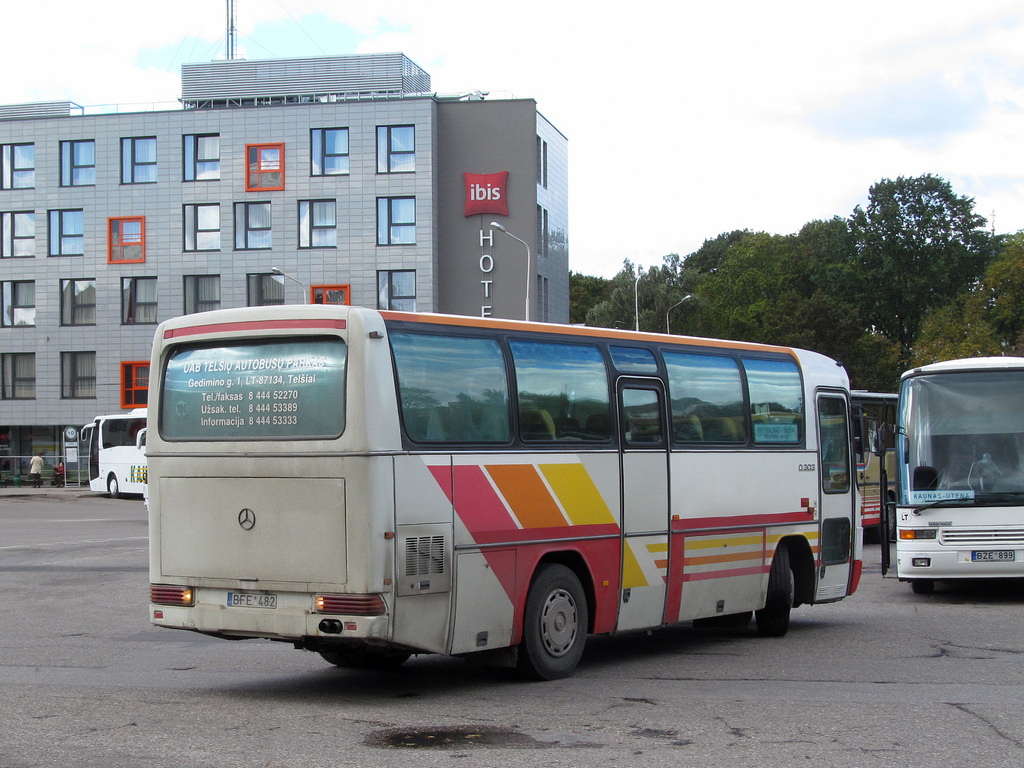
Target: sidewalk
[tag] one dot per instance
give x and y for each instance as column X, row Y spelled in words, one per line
column 46, row 490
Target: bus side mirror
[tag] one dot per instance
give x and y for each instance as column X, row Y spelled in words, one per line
column 883, row 441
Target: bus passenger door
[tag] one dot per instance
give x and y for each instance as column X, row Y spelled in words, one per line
column 644, row 486
column 836, row 548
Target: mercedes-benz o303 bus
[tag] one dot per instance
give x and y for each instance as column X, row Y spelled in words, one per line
column 370, row 485
column 960, row 461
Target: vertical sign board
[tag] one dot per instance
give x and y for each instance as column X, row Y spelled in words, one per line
column 486, row 193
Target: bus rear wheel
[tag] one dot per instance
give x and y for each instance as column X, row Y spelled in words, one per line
column 365, row 659
column 113, row 490
column 555, row 625
column 773, row 619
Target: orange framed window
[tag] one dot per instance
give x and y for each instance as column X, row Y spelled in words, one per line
column 127, row 241
column 264, row 167
column 330, row 294
column 134, row 384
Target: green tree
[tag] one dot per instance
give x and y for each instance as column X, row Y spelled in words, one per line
column 918, row 245
column 585, row 291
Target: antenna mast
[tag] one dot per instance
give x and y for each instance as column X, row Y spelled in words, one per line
column 232, row 33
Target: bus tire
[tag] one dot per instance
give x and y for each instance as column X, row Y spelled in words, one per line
column 922, row 586
column 773, row 619
column 359, row 659
column 113, row 490
column 555, row 623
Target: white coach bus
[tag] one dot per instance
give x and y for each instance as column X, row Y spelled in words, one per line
column 370, row 485
column 116, row 449
column 960, row 470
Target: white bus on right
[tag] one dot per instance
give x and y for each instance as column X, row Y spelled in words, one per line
column 960, row 469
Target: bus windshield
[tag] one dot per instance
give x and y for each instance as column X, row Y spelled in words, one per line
column 255, row 389
column 963, row 438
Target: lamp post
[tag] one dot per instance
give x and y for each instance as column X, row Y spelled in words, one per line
column 687, row 296
column 305, row 297
column 636, row 296
column 529, row 269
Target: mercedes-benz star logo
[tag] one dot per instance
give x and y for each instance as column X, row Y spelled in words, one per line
column 247, row 519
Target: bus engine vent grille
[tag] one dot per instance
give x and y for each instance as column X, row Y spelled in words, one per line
column 425, row 556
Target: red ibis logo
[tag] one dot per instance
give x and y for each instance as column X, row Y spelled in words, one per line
column 485, row 193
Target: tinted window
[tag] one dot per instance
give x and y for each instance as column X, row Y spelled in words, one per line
column 280, row 389
column 776, row 401
column 452, row 389
column 707, row 398
column 563, row 392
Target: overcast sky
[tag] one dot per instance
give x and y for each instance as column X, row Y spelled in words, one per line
column 685, row 119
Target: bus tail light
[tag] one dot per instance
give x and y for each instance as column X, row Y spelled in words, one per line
column 913, row 533
column 351, row 605
column 171, row 594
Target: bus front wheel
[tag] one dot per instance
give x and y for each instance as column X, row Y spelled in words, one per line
column 112, row 487
column 773, row 619
column 555, row 625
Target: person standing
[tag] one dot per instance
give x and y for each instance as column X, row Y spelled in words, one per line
column 35, row 470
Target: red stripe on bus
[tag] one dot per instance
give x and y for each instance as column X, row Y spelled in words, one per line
column 740, row 521
column 249, row 326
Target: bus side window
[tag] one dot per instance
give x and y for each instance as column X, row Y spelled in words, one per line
column 452, row 389
column 706, row 397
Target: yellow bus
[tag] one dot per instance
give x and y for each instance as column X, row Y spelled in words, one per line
column 874, row 411
column 371, row 485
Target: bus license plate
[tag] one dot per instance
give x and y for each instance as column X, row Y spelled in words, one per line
column 251, row 600
column 1001, row 555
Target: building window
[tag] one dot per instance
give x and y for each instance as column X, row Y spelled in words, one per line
column 318, row 224
column 542, row 162
column 67, row 232
column 138, row 300
column 138, row 160
column 78, row 302
column 135, row 384
column 127, row 241
column 202, row 293
column 252, row 226
column 396, row 148
column 264, row 290
column 202, row 227
column 18, row 230
column 396, row 289
column 396, row 221
column 19, row 375
column 201, row 157
column 331, row 294
column 264, row 167
column 19, row 303
column 78, row 163
column 77, row 374
column 17, row 166
column 328, row 151
column 543, row 239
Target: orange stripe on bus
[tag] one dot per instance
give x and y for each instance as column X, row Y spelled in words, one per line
column 732, row 557
column 527, row 495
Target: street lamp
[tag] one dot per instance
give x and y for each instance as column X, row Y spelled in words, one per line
column 529, row 270
column 305, row 298
column 636, row 296
column 687, row 296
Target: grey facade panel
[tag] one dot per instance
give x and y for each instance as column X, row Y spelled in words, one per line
column 384, row 74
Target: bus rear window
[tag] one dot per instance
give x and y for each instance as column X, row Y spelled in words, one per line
column 274, row 389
